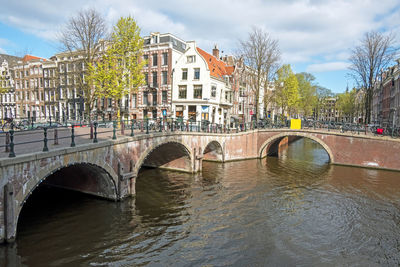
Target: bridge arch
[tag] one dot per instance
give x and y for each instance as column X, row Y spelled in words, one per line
column 273, row 142
column 170, row 156
column 93, row 179
column 213, row 151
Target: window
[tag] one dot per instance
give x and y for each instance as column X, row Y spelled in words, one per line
column 164, row 97
column 154, row 74
column 191, row 59
column 197, row 74
column 165, row 59
column 145, row 98
column 197, row 91
column 192, row 112
column 213, row 91
column 134, row 101
column 164, row 77
column 154, row 98
column 155, row 63
column 109, row 102
column 184, row 74
column 182, row 91
column 146, row 58
column 154, row 39
column 146, row 78
column 154, row 112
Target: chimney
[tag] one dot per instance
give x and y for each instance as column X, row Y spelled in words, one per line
column 215, row 51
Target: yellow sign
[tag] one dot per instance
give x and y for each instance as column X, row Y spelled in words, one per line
column 295, row 124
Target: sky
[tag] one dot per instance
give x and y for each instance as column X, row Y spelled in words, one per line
column 314, row 36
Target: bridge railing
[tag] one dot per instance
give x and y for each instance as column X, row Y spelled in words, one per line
column 35, row 137
column 21, row 137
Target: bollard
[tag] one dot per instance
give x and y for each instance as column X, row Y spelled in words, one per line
column 72, row 136
column 7, row 142
column 237, row 128
column 114, row 130
column 12, row 154
column 147, row 126
column 132, row 126
column 95, row 133
column 55, row 136
column 45, row 148
column 160, row 125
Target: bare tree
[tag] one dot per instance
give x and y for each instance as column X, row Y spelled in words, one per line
column 260, row 54
column 375, row 52
column 84, row 34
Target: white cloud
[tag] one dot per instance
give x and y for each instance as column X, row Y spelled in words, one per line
column 2, row 51
column 314, row 32
column 329, row 66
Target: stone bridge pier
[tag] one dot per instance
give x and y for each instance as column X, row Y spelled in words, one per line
column 109, row 169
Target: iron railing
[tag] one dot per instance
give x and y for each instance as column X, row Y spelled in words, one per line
column 69, row 133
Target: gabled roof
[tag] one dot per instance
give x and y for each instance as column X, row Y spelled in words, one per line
column 30, row 57
column 12, row 60
column 217, row 67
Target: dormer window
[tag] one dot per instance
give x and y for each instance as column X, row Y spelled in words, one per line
column 154, row 39
column 191, row 59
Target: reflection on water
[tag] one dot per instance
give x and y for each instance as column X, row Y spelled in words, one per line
column 287, row 211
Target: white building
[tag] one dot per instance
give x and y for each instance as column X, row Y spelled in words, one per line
column 7, row 99
column 201, row 89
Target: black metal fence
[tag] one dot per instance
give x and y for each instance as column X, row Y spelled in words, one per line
column 19, row 134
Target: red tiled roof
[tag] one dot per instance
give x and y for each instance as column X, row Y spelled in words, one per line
column 29, row 58
column 217, row 67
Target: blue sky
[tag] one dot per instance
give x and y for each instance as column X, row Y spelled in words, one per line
column 314, row 35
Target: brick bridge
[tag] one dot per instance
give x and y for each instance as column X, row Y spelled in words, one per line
column 109, row 168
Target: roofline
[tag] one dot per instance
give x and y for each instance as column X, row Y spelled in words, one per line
column 164, row 34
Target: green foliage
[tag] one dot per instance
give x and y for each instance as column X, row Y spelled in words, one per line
column 287, row 89
column 346, row 103
column 308, row 93
column 119, row 70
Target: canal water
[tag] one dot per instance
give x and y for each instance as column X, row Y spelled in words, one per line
column 295, row 210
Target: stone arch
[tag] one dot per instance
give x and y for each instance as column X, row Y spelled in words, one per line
column 50, row 169
column 266, row 145
column 214, row 151
column 108, row 177
column 185, row 149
